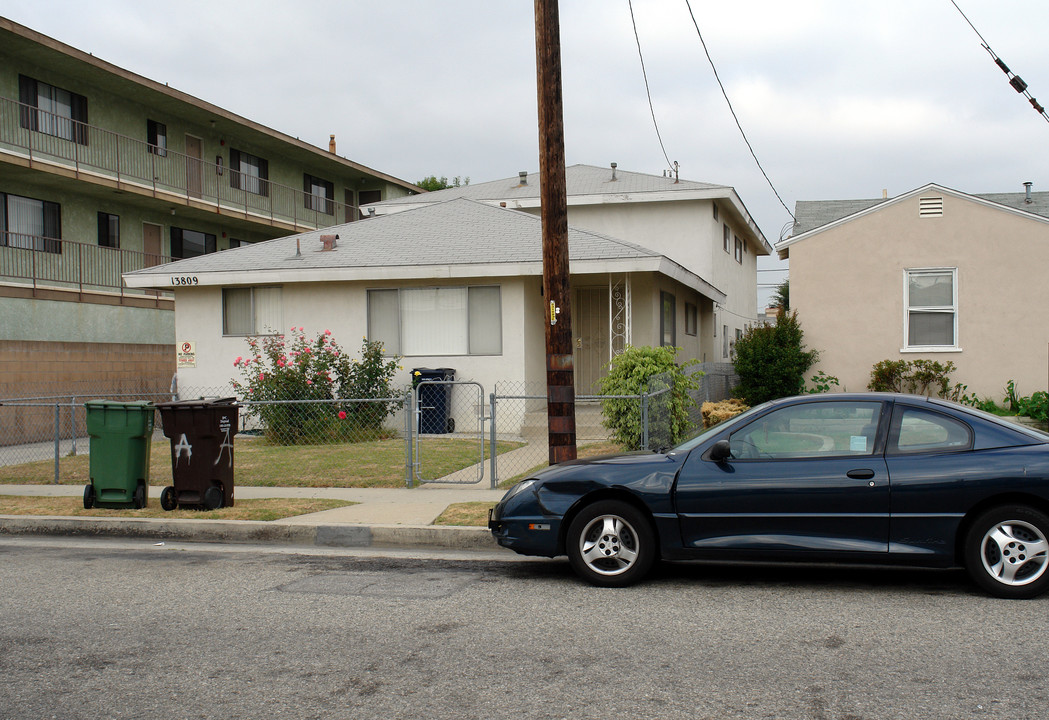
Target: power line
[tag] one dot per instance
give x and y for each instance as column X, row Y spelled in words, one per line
column 1015, row 80
column 648, row 92
column 732, row 110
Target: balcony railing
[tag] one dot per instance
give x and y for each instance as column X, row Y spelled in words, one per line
column 95, row 153
column 42, row 262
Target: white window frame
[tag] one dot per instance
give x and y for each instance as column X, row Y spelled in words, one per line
column 908, row 273
column 271, row 328
column 401, row 329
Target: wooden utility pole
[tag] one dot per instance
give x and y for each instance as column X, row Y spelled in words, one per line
column 560, row 381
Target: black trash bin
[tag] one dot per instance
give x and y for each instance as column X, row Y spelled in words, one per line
column 434, row 400
column 201, row 434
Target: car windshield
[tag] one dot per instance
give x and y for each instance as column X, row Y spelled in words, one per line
column 723, row 425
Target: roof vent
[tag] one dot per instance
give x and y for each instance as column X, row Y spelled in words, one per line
column 371, row 212
column 1027, row 186
column 930, row 207
column 613, row 172
column 329, row 242
column 523, row 175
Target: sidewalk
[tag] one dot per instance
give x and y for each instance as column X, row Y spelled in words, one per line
column 384, row 517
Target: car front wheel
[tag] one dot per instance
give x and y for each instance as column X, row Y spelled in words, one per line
column 610, row 543
column 1007, row 552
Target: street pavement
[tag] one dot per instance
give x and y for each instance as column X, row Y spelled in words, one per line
column 383, row 517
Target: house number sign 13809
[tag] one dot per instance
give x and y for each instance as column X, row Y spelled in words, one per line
column 184, row 280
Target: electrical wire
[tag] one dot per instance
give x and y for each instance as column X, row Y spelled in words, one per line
column 1015, row 80
column 733, row 111
column 648, row 92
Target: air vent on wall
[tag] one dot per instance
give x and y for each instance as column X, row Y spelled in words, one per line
column 930, row 207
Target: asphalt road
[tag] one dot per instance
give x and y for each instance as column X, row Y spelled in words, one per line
column 106, row 629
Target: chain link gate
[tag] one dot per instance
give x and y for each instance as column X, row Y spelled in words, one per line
column 448, row 412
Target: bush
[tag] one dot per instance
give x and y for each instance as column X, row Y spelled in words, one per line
column 647, row 369
column 771, row 361
column 303, row 369
column 713, row 413
column 918, row 376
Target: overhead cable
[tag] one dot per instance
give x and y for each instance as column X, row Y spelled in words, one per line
column 644, row 74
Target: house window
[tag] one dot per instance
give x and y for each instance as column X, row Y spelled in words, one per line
column 932, row 308
column 248, row 173
column 252, row 311
column 691, row 319
column 739, row 251
column 728, row 238
column 234, row 243
column 437, row 321
column 157, row 137
column 57, row 112
column 715, row 211
column 30, row 224
column 724, row 341
column 190, row 243
column 319, row 194
column 667, row 331
column 108, row 230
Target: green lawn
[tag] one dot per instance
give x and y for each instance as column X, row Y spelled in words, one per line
column 377, row 463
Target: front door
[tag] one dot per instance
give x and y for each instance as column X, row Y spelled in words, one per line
column 193, row 166
column 590, row 331
column 151, row 235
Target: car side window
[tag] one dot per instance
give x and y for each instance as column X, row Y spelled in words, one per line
column 916, row 430
column 810, row 430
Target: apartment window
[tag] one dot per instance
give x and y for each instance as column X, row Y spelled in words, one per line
column 190, row 243
column 437, row 321
column 667, row 329
column 932, row 308
column 30, row 224
column 52, row 110
column 108, row 230
column 715, row 211
column 739, row 251
column 157, row 137
column 691, row 319
column 367, row 196
column 252, row 311
column 234, row 243
column 728, row 238
column 319, row 194
column 248, row 173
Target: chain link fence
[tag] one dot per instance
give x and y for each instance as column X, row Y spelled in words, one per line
column 497, row 436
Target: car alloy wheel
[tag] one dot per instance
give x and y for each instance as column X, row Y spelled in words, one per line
column 610, row 543
column 1007, row 552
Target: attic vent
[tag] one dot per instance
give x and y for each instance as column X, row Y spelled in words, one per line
column 329, row 242
column 930, row 207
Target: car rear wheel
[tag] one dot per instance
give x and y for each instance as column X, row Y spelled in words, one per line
column 1007, row 552
column 610, row 543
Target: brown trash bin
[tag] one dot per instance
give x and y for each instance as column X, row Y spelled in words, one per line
column 201, row 434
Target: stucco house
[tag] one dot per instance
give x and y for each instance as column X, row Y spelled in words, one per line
column 703, row 227
column 453, row 284
column 933, row 273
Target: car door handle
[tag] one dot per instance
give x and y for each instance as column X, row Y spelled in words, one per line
column 860, row 474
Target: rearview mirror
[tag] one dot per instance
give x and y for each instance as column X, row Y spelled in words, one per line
column 721, row 451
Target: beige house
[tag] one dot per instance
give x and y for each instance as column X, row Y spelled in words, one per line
column 933, row 273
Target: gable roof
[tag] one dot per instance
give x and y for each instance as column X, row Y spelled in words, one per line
column 586, row 185
column 454, row 239
column 815, row 216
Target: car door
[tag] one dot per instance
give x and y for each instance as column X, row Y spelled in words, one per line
column 808, row 475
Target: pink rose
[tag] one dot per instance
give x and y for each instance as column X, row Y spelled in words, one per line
column 262, row 376
column 342, row 414
column 237, row 361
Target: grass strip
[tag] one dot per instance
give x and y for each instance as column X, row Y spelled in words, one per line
column 263, row 509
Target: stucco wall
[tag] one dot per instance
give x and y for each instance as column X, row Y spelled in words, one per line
column 847, row 285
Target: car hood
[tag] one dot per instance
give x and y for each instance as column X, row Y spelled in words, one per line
column 605, row 464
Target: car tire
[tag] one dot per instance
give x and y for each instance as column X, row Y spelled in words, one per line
column 1007, row 552
column 610, row 543
column 168, row 499
column 213, row 498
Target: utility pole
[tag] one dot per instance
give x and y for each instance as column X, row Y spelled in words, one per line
column 560, row 387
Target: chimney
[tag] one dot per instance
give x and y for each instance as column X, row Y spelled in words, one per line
column 613, row 172
column 523, row 175
column 329, row 242
column 884, row 193
column 331, row 145
column 1028, row 185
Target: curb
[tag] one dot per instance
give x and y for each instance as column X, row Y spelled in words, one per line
column 247, row 531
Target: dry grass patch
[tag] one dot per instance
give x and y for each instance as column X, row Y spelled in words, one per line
column 262, row 509
column 473, row 514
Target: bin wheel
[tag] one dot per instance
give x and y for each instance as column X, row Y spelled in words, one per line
column 450, row 426
column 213, row 498
column 168, row 499
column 89, row 496
column 139, row 497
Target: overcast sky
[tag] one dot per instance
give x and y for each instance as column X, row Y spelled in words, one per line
column 839, row 99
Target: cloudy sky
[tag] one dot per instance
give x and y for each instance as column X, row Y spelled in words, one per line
column 839, row 99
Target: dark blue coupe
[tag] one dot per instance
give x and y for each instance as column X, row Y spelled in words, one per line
column 836, row 478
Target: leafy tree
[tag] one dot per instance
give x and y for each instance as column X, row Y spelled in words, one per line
column 781, row 298
column 432, row 182
column 771, row 361
column 650, row 370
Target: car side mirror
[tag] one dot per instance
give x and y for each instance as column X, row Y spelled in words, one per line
column 721, row 451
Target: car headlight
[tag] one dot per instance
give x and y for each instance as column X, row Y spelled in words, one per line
column 518, row 489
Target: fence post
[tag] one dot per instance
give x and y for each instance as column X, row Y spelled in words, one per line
column 491, row 426
column 57, row 431
column 409, row 462
column 644, row 418
column 72, row 421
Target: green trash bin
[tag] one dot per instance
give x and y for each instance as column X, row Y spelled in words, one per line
column 120, row 435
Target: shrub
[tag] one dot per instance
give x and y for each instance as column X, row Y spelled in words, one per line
column 715, row 412
column 281, row 369
column 822, row 383
column 647, row 369
column 771, row 361
column 918, row 376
